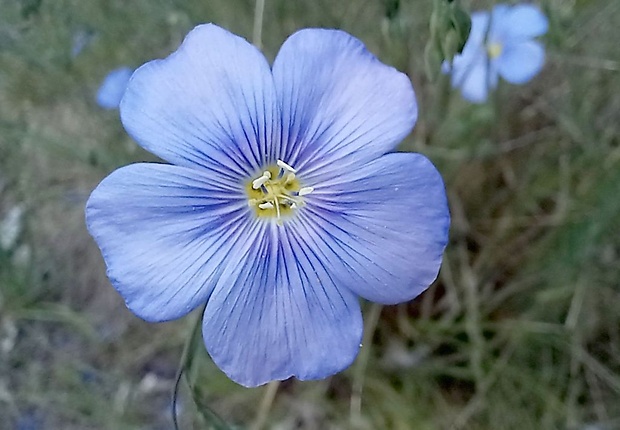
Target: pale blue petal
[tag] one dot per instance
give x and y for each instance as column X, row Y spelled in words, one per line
column 446, row 67
column 520, row 62
column 498, row 15
column 340, row 105
column 477, row 78
column 211, row 104
column 113, row 87
column 473, row 51
column 284, row 316
column 478, row 32
column 380, row 230
column 470, row 69
column 520, row 22
column 168, row 234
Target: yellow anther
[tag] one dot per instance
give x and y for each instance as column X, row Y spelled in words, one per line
column 494, row 49
column 260, row 181
column 281, row 164
column 305, row 191
column 277, row 192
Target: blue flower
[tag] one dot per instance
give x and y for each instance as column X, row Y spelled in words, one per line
column 282, row 204
column 113, row 87
column 500, row 43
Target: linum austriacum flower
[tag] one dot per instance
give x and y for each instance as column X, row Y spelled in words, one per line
column 282, row 203
column 500, row 43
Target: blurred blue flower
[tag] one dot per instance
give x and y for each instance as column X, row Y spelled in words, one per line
column 282, row 204
column 81, row 38
column 29, row 420
column 500, row 43
column 113, row 88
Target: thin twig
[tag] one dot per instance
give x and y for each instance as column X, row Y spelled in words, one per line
column 265, row 406
column 257, row 34
column 362, row 362
column 182, row 366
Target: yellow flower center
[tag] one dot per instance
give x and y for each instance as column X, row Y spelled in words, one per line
column 277, row 192
column 494, row 49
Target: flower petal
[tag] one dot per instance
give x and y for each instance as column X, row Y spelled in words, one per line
column 340, row 105
column 520, row 62
column 211, row 104
column 381, row 230
column 470, row 69
column 283, row 317
column 167, row 235
column 478, row 32
column 477, row 77
column 113, row 87
column 519, row 22
column 473, row 50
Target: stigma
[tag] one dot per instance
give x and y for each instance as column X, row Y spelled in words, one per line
column 494, row 49
column 277, row 192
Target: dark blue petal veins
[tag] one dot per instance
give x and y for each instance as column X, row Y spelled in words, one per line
column 211, row 104
column 380, row 230
column 168, row 235
column 284, row 316
column 340, row 106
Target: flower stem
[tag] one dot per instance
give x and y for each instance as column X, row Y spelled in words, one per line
column 213, row 421
column 440, row 106
column 182, row 366
column 362, row 362
column 265, row 406
column 259, row 11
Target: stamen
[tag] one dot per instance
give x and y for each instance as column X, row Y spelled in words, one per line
column 259, row 182
column 289, row 178
column 285, row 166
column 277, row 194
column 305, row 191
column 287, row 198
column 275, row 198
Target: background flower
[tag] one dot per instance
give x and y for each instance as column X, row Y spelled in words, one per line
column 113, row 87
column 500, row 44
column 279, row 257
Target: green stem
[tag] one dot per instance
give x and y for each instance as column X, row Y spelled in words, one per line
column 259, row 11
column 440, row 106
column 182, row 366
column 265, row 406
column 194, row 340
column 362, row 363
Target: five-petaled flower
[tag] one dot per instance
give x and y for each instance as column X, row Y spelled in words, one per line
column 282, row 204
column 500, row 44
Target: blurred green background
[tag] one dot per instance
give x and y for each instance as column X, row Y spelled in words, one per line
column 521, row 330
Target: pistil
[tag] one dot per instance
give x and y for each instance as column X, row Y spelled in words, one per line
column 277, row 192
